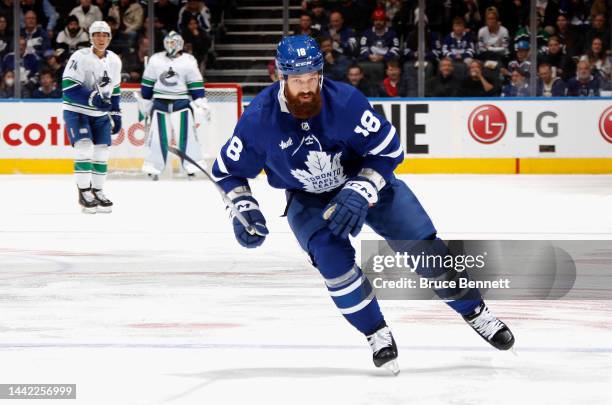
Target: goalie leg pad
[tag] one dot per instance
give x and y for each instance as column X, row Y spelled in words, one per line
column 158, row 138
column 187, row 140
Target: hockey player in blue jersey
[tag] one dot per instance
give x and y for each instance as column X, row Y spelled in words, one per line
column 323, row 143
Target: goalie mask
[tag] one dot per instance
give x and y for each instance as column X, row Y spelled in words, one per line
column 173, row 44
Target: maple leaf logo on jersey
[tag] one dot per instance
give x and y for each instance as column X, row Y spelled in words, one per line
column 324, row 173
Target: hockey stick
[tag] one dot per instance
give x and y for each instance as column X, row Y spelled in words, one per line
column 249, row 228
column 108, row 114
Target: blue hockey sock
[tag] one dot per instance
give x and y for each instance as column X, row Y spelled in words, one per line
column 352, row 293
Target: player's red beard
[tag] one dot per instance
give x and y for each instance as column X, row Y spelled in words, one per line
column 303, row 109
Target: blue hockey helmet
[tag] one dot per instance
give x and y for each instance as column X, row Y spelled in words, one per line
column 298, row 54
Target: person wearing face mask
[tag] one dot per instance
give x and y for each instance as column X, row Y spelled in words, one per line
column 7, row 86
column 73, row 37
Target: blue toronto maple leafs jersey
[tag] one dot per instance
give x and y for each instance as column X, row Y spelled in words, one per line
column 315, row 155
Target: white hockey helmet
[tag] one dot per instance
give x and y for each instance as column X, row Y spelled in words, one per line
column 99, row 26
column 173, row 43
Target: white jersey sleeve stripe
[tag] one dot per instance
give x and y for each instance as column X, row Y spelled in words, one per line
column 395, row 153
column 221, row 163
column 384, row 143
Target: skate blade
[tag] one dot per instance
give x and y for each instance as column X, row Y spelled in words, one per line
column 88, row 210
column 392, row 366
column 105, row 210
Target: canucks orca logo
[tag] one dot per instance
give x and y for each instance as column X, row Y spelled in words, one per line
column 104, row 80
column 169, row 78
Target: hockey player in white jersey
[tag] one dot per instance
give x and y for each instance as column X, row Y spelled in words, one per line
column 172, row 91
column 91, row 93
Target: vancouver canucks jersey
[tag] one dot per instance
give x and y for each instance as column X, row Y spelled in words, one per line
column 83, row 70
column 172, row 78
column 315, row 155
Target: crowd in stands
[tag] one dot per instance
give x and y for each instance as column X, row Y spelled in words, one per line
column 474, row 48
column 51, row 30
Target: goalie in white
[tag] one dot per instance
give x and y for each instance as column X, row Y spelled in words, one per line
column 172, row 91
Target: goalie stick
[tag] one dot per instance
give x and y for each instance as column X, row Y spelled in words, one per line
column 249, row 228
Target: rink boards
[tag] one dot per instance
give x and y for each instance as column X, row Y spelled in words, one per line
column 564, row 135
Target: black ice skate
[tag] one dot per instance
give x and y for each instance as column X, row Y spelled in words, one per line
column 104, row 204
column 87, row 201
column 384, row 349
column 490, row 328
column 153, row 177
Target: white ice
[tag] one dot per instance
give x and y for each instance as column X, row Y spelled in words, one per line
column 156, row 303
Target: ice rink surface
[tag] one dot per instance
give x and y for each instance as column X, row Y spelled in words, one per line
column 157, row 304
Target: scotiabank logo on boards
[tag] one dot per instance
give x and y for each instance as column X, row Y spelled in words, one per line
column 605, row 124
column 34, row 134
column 487, row 124
column 52, row 133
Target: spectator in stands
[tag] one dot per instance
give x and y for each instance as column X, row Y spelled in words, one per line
column 133, row 63
column 45, row 12
column 37, row 38
column 458, row 45
column 356, row 14
column 196, row 9
column 272, row 71
column 72, row 37
column 476, row 84
column 335, row 64
column 6, row 37
column 390, row 87
column 469, row 10
column 105, row 5
column 554, row 55
column 445, row 83
column 29, row 62
column 523, row 35
column 598, row 30
column 522, row 61
column 569, row 36
column 433, row 46
column 167, row 13
column 584, row 84
column 344, row 40
column 53, row 65
column 379, row 44
column 86, row 13
column 7, row 86
column 579, row 12
column 547, row 84
column 392, row 7
column 355, row 77
column 493, row 38
column 199, row 40
column 48, row 87
column 518, row 86
column 158, row 34
column 319, row 16
column 6, row 9
column 601, row 64
column 120, row 42
column 305, row 27
column 130, row 16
